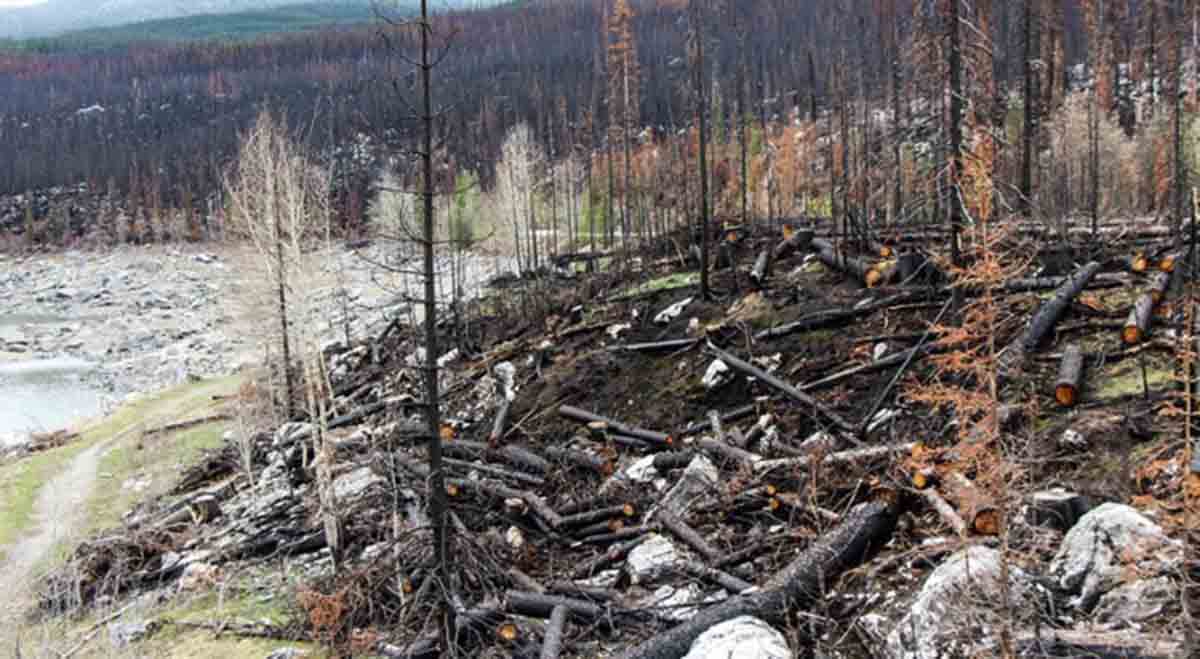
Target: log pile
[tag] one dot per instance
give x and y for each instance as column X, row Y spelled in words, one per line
column 606, row 502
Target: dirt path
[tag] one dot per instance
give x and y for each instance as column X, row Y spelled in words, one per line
column 58, row 512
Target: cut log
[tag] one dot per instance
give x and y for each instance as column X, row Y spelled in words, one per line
column 792, row 589
column 1051, row 311
column 723, row 579
column 945, row 511
column 467, row 466
column 688, row 535
column 535, row 503
column 727, row 452
column 511, row 455
column 800, row 239
column 540, row 605
column 1138, row 262
column 854, row 456
column 1070, row 376
column 673, row 460
column 589, row 568
column 766, row 378
column 498, row 426
column 977, row 510
column 585, row 417
column 882, row 274
column 1137, row 326
column 761, row 269
column 1168, row 262
column 598, row 515
column 578, row 458
column 1159, row 286
column 1100, row 645
column 1057, row 509
column 553, row 641
column 837, row 260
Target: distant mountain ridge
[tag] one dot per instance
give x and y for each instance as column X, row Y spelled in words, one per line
column 55, row 17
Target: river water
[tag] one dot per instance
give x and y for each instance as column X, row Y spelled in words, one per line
column 42, row 394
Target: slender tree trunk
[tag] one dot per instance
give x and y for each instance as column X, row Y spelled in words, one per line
column 1031, row 94
column 289, row 385
column 437, row 486
column 956, row 161
column 702, row 110
column 626, row 210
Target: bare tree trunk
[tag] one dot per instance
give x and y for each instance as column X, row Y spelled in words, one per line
column 956, row 161
column 1029, row 138
column 437, row 487
column 698, row 35
column 284, row 343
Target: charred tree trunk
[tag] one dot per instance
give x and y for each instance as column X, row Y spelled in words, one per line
column 792, row 589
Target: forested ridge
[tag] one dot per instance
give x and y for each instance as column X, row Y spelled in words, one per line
column 167, row 116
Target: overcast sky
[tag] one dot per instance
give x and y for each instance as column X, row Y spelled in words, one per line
column 19, row 3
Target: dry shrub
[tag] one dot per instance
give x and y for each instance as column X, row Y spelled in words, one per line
column 325, row 612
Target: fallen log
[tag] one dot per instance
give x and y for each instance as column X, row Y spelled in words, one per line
column 945, row 511
column 1137, row 326
column 588, row 569
column 978, row 511
column 600, row 465
column 552, row 642
column 760, row 271
column 799, row 584
column 541, row 605
column 889, row 361
column 1137, row 262
column 1102, row 645
column 736, row 414
column 501, row 421
column 1159, row 286
column 499, row 490
column 766, row 378
column 723, row 579
column 178, row 425
column 524, row 479
column 800, row 239
column 835, row 259
column 1070, row 376
column 1048, row 314
column 852, row 456
column 511, row 455
column 598, row 515
column 727, row 452
column 585, row 417
column 655, row 346
column 685, row 533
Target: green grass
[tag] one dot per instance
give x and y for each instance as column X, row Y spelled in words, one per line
column 21, row 481
column 1126, row 380
column 156, row 460
column 676, row 280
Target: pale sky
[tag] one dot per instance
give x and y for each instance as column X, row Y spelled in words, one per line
column 19, row 3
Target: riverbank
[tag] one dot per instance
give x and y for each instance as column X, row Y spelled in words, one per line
column 147, row 318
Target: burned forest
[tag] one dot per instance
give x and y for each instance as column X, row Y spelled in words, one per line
column 680, row 344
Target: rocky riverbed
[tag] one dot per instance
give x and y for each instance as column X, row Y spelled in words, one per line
column 147, row 318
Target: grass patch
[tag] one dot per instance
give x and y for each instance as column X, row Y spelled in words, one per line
column 21, row 481
column 144, row 469
column 676, row 280
column 1126, row 380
